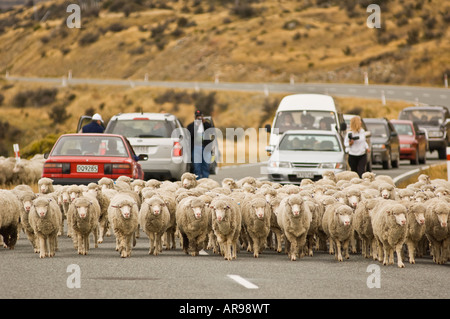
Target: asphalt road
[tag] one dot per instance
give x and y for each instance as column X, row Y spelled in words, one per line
column 414, row 94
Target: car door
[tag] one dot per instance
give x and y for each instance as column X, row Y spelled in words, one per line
column 394, row 141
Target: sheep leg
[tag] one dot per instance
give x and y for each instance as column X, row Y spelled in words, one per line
column 255, row 247
column 411, row 251
column 301, row 242
column 80, row 243
column 398, row 251
column 338, row 255
column 42, row 243
column 51, row 245
column 345, row 247
column 391, row 256
column 374, row 249
column 151, row 240
column 278, row 238
column 185, row 241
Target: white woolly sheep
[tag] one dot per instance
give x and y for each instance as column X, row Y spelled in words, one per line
column 256, row 213
column 346, row 175
column 387, row 191
column 248, row 180
column 154, row 218
column 437, row 228
column 153, row 183
column 226, row 225
column 193, row 223
column 9, row 217
column 329, row 175
column 415, row 228
column 85, row 212
column 389, row 228
column 106, row 183
column 337, row 224
column 26, row 197
column 45, row 219
column 274, row 227
column 229, row 183
column 103, row 200
column 188, row 180
column 294, row 219
column 353, row 196
column 123, row 214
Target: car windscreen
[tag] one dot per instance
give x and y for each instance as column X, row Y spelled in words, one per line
column 312, row 120
column 377, row 129
column 423, row 117
column 404, row 129
column 143, row 128
column 302, row 142
column 85, row 145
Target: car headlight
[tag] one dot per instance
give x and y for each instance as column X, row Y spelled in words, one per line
column 331, row 165
column 382, row 146
column 435, row 133
column 277, row 164
column 405, row 145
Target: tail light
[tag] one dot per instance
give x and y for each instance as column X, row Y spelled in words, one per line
column 56, row 168
column 121, row 169
column 177, row 149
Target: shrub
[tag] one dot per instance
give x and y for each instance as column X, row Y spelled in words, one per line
column 88, row 38
column 40, row 146
column 58, row 114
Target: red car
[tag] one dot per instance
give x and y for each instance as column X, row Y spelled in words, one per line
column 86, row 158
column 413, row 142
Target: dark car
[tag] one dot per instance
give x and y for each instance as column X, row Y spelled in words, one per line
column 385, row 142
column 435, row 121
column 86, row 158
column 413, row 142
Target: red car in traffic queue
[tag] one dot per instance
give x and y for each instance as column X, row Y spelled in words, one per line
column 413, row 141
column 86, row 158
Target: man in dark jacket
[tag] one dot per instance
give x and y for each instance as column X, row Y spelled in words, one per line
column 199, row 141
column 95, row 126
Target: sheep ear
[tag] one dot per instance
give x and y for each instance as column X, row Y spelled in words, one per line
column 228, row 206
column 388, row 212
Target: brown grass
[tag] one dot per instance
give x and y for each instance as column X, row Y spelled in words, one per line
column 435, row 172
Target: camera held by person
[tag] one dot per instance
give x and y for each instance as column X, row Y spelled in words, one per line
column 351, row 137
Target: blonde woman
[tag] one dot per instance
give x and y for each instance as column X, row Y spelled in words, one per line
column 355, row 141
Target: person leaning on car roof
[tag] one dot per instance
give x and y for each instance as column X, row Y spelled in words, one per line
column 95, row 126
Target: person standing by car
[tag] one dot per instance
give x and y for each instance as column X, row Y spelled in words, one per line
column 355, row 141
column 200, row 160
column 96, row 125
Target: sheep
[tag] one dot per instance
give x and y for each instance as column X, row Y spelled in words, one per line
column 74, row 192
column 387, row 191
column 189, row 180
column 415, row 228
column 437, row 228
column 226, row 225
column 346, row 175
column 106, row 183
column 137, row 185
column 389, row 222
column 45, row 185
column 154, row 218
column 85, row 212
column 153, row 183
column 248, row 180
column 45, row 219
column 256, row 213
column 294, row 219
column 103, row 200
column 26, row 197
column 274, row 227
column 337, row 225
column 123, row 214
column 208, row 183
column 362, row 223
column 192, row 221
column 229, row 183
column 9, row 217
column 353, row 196
column 441, row 191
column 368, row 177
column 405, row 194
column 329, row 175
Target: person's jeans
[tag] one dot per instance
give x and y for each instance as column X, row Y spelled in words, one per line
column 201, row 168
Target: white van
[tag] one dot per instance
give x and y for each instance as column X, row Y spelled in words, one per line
column 305, row 112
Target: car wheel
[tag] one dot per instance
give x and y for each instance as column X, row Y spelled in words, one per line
column 442, row 153
column 415, row 161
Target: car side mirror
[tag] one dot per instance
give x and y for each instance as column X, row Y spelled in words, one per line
column 46, row 155
column 270, row 149
column 267, row 127
column 343, row 126
column 420, row 133
column 142, row 157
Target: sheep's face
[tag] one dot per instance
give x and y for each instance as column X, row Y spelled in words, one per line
column 138, row 188
column 442, row 212
column 420, row 197
column 65, row 197
column 385, row 193
column 344, row 215
column 353, row 200
column 27, row 205
column 125, row 209
column 188, row 182
column 399, row 215
column 44, row 188
column 156, row 207
column 220, row 211
column 197, row 211
column 41, row 207
column 420, row 217
column 74, row 195
column 259, row 211
column 296, row 209
column 82, row 207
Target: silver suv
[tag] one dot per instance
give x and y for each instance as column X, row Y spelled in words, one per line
column 160, row 136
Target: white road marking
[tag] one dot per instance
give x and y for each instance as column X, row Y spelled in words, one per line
column 443, row 96
column 247, row 284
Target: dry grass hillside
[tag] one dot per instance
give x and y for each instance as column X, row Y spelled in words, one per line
column 193, row 40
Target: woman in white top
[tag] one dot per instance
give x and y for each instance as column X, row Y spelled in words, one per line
column 355, row 141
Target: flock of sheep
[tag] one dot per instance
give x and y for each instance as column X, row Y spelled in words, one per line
column 339, row 213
